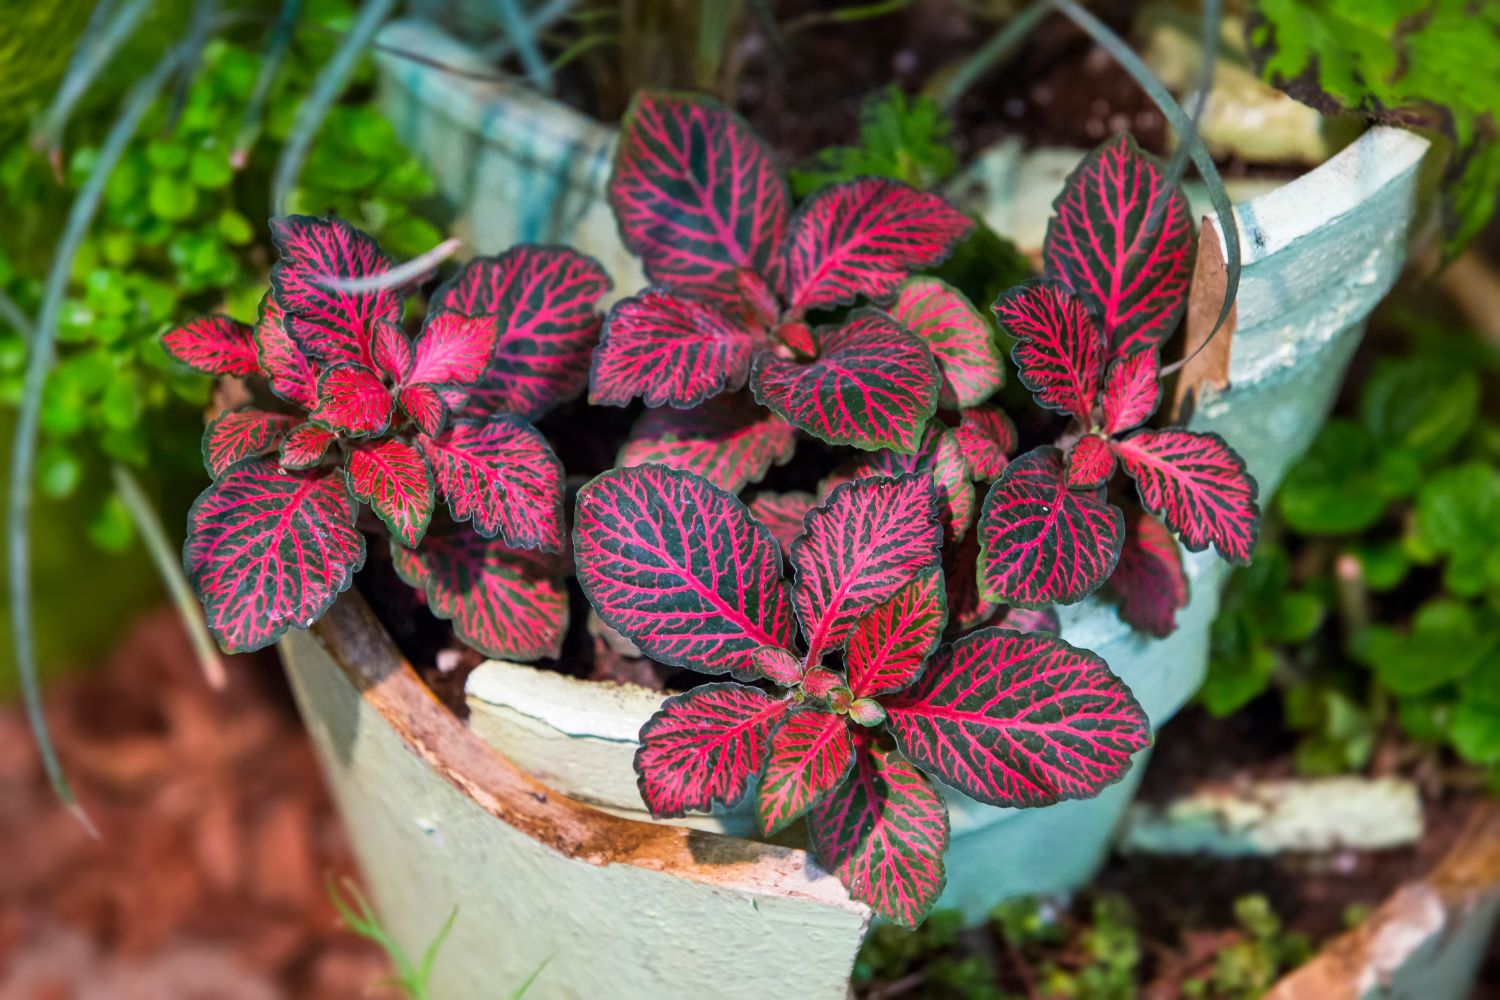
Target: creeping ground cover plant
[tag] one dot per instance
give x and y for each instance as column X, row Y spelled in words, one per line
column 868, row 704
column 353, row 412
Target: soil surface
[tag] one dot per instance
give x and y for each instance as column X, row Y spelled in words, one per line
column 216, row 841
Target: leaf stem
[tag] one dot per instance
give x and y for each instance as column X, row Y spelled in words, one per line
column 23, row 448
column 169, row 565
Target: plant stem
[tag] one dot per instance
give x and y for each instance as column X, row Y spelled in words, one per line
column 993, row 53
column 169, row 565
column 513, row 20
column 325, row 90
column 23, row 448
column 399, row 275
column 276, row 50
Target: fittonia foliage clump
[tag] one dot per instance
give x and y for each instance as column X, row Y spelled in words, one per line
column 879, row 626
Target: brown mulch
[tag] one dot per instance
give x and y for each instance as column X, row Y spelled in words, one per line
column 216, row 840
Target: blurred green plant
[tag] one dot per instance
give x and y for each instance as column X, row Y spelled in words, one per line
column 1421, row 63
column 1391, row 620
column 908, row 139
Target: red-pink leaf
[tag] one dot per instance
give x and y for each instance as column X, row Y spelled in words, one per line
column 452, row 349
column 940, row 458
column 1032, row 619
column 329, row 324
column 214, row 345
column 1019, row 720
column 705, row 746
column 783, row 514
column 269, row 550
column 292, row 374
column 504, row 602
column 889, row 645
column 352, row 401
column 811, row 753
column 697, row 195
column 1197, row 484
column 884, row 834
column 425, row 406
column 233, row 437
column 1059, row 352
column 669, row 350
column 501, row 474
column 987, row 438
column 862, row 238
column 1149, row 582
column 1090, row 462
column 305, row 446
column 678, row 566
column 960, row 339
column 727, row 440
column 872, row 386
column 392, row 351
column 544, row 301
column 1132, row 391
column 393, row 478
column 869, row 539
column 1123, row 240
column 778, row 665
column 1039, row 541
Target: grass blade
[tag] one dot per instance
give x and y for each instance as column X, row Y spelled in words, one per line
column 277, row 47
column 168, row 561
column 98, row 46
column 513, row 21
column 994, row 52
column 23, row 447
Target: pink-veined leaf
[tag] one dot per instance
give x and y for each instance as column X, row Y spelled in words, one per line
column 941, row 458
column 822, row 683
column 1197, row 484
column 884, row 833
column 705, row 746
column 783, row 514
column 235, row 436
column 507, row 603
column 352, row 401
column 728, row 441
column 544, row 301
column 425, row 405
column 869, row 539
column 292, row 374
column 778, row 665
column 501, row 474
column 214, row 345
column 862, row 238
column 393, row 478
column 1031, row 620
column 669, row 350
column 960, row 339
column 392, row 352
column 888, row 646
column 987, row 437
column 305, row 446
column 1123, row 240
column 268, row 550
column 330, row 324
column 811, row 753
column 1059, row 352
column 873, row 385
column 1132, row 391
column 697, row 195
column 452, row 349
column 1149, row 581
column 1039, row 541
column 1015, row 720
column 966, row 609
column 1090, row 462
column 679, row 567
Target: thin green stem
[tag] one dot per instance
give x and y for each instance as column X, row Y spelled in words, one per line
column 325, row 90
column 168, row 561
column 1210, row 46
column 277, row 47
column 23, row 448
column 993, row 53
column 13, row 315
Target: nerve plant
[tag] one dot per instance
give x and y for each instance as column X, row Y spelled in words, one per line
column 358, row 413
column 867, row 706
